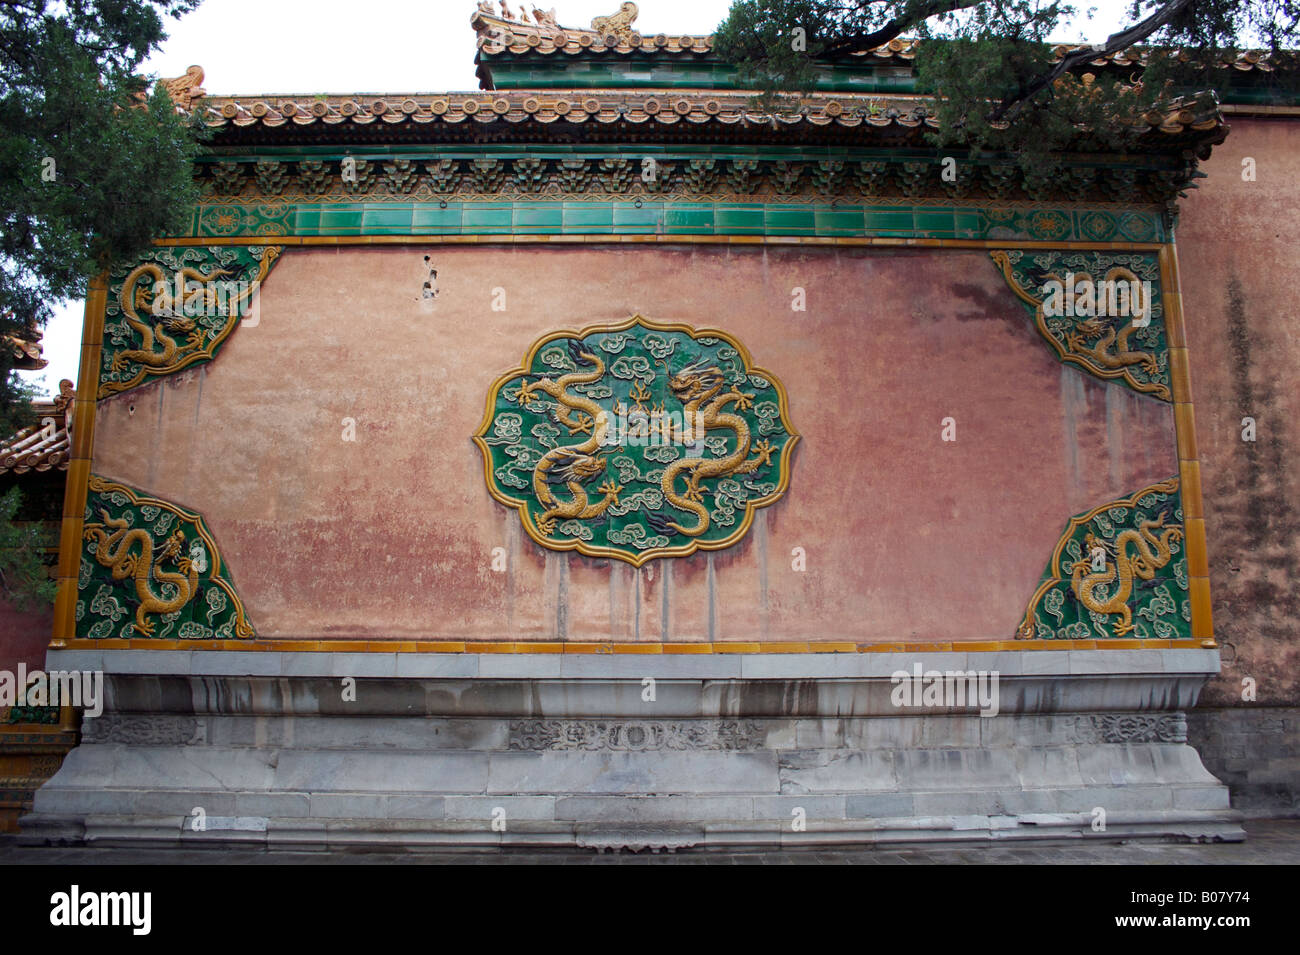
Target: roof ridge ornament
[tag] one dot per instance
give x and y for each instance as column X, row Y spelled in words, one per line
column 186, row 90
column 618, row 25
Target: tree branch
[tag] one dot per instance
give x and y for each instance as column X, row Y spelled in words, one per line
column 1116, row 42
column 863, row 42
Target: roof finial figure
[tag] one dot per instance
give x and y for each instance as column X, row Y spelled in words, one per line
column 546, row 18
column 618, row 25
column 184, row 90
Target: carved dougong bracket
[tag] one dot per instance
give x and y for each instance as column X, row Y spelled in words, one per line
column 150, row 569
column 175, row 308
column 1101, row 311
column 1119, row 570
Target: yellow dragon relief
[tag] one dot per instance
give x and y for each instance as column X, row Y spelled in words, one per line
column 168, row 313
column 1123, row 568
column 1114, row 334
column 699, row 387
column 114, row 551
column 573, row 465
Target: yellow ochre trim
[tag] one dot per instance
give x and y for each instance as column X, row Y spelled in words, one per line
column 636, row 560
column 587, row 647
column 83, row 444
column 655, row 239
column 1198, row 557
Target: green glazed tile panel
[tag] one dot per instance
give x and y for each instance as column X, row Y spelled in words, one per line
column 603, row 216
column 1119, row 570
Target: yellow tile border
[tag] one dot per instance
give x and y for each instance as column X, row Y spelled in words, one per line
column 1189, row 469
column 1191, row 485
column 1194, row 538
column 1179, row 375
column 1185, row 425
column 611, row 648
column 78, row 480
column 656, row 239
column 1202, row 616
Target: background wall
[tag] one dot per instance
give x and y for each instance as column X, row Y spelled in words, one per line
column 1237, row 244
column 907, row 537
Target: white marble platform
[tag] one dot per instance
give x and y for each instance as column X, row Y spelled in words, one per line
column 481, row 750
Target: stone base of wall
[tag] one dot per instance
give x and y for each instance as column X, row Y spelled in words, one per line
column 803, row 750
column 1256, row 751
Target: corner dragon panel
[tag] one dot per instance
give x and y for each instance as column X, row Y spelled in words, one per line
column 637, row 440
column 150, row 569
column 1118, row 570
column 175, row 309
column 1101, row 311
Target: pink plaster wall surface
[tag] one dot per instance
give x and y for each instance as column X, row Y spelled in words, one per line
column 1237, row 246
column 906, row 537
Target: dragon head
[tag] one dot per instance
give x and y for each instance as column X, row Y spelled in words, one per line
column 1091, row 328
column 174, row 544
column 697, row 380
column 576, row 467
column 177, row 324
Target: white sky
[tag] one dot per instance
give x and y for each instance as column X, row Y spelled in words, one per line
column 380, row 46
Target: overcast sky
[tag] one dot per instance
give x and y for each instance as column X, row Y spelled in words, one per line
column 379, row 46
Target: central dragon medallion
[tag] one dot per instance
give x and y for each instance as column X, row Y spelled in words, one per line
column 637, row 440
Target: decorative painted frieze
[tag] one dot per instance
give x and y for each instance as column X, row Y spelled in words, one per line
column 1101, row 311
column 633, row 173
column 175, row 309
column 1119, row 570
column 636, row 440
column 151, row 569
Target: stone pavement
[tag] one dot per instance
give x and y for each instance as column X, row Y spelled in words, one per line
column 1270, row 842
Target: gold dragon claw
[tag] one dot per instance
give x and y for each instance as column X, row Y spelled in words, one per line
column 764, row 451
column 611, row 490
column 583, row 426
column 744, row 401
column 693, row 491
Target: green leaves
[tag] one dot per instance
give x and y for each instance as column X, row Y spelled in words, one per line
column 92, row 165
column 991, row 64
column 24, row 579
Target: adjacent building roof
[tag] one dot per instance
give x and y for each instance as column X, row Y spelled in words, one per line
column 46, row 445
column 26, row 349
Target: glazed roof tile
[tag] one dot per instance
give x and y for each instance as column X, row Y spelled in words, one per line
column 631, row 107
column 40, row 447
column 497, row 35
